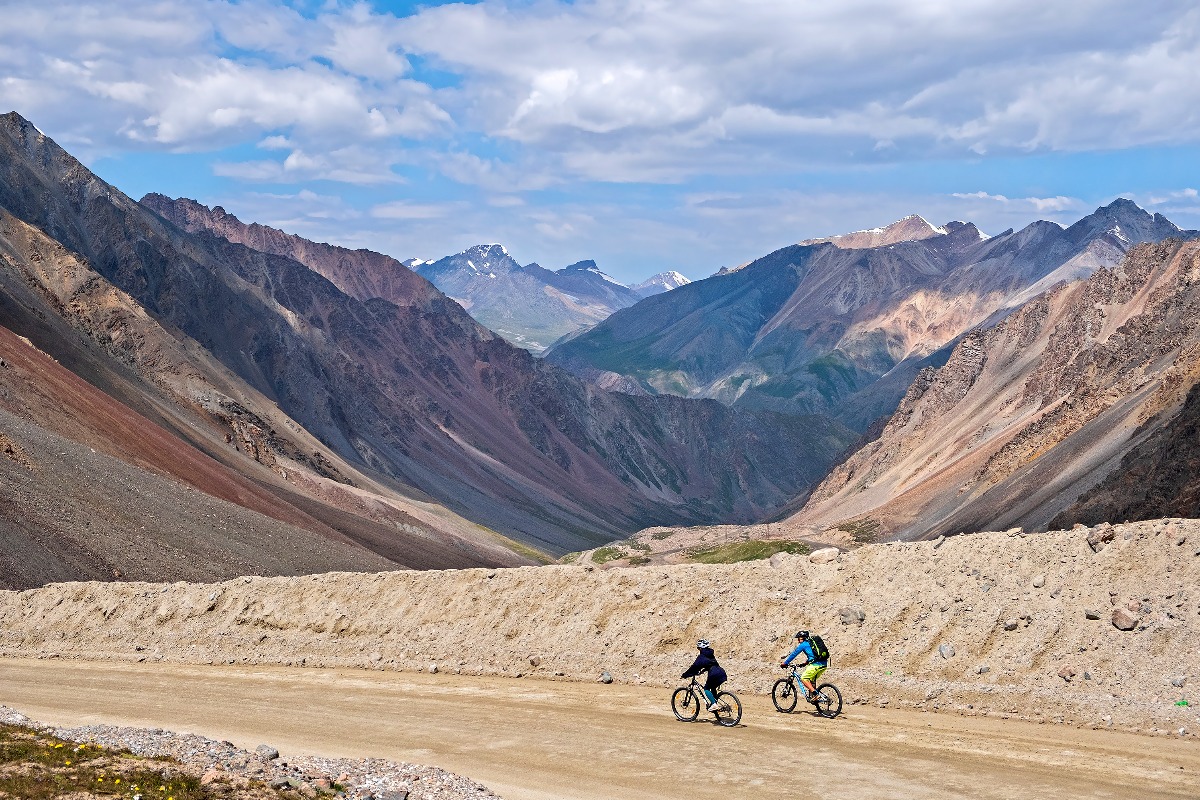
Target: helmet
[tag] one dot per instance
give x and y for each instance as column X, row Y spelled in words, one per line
column 802, row 635
column 703, row 643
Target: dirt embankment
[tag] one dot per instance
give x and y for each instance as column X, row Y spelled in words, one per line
column 996, row 623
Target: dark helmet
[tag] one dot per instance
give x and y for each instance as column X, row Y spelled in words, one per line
column 703, row 643
column 802, row 635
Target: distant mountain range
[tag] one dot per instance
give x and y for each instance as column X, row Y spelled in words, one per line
column 339, row 396
column 529, row 305
column 841, row 326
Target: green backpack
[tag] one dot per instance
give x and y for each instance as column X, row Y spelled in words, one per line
column 820, row 651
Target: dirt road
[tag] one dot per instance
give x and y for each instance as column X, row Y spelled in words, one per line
column 540, row 739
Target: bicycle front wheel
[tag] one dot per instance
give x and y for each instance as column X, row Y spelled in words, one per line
column 684, row 704
column 729, row 709
column 783, row 695
column 829, row 700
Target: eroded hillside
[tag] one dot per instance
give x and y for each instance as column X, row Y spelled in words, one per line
column 1092, row 627
column 1026, row 417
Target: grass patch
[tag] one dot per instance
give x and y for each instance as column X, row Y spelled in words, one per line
column 37, row 766
column 645, row 548
column 602, row 555
column 746, row 551
column 637, row 561
column 660, row 535
column 863, row 531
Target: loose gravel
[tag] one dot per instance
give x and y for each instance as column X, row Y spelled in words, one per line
column 303, row 776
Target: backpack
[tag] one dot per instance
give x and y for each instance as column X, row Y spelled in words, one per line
column 820, row 651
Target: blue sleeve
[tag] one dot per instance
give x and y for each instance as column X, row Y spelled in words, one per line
column 799, row 649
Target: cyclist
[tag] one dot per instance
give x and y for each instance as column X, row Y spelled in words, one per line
column 817, row 656
column 707, row 662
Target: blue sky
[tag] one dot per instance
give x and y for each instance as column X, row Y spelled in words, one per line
column 645, row 134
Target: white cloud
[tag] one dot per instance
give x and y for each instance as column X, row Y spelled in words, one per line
column 406, row 210
column 1040, row 204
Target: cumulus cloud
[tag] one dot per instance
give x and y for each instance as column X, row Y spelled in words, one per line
column 598, row 79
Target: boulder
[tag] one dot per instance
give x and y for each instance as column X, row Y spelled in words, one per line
column 1067, row 673
column 1091, row 613
column 824, row 555
column 535, row 661
column 852, row 616
column 606, row 677
column 1011, row 625
column 1100, row 536
column 1125, row 619
column 1039, row 581
column 946, row 651
column 266, row 752
column 433, row 669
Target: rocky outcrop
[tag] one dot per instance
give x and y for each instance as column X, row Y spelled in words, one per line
column 908, row 624
column 1090, row 384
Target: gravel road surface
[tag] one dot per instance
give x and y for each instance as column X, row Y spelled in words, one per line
column 540, row 739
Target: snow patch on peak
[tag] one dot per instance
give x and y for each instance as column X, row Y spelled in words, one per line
column 914, row 227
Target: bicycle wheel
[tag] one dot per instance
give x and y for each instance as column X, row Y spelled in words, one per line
column 783, row 695
column 684, row 704
column 829, row 700
column 729, row 709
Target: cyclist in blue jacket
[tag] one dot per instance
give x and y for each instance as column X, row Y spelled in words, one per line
column 817, row 663
column 707, row 662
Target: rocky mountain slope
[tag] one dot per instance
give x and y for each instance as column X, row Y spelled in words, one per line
column 132, row 453
column 411, row 395
column 824, row 328
column 362, row 274
column 528, row 305
column 1079, row 406
column 1097, row 627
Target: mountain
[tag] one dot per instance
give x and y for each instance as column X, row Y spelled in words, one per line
column 912, row 228
column 385, row 401
column 530, row 306
column 662, row 282
column 1081, row 406
column 362, row 274
column 131, row 453
column 822, row 328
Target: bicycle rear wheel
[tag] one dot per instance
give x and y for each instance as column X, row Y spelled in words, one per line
column 783, row 695
column 684, row 704
column 829, row 700
column 729, row 709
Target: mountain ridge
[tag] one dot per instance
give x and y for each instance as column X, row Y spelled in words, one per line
column 819, row 338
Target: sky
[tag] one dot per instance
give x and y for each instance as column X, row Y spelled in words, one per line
column 648, row 135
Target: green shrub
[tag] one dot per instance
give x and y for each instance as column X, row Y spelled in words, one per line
column 863, row 531
column 602, row 555
column 746, row 551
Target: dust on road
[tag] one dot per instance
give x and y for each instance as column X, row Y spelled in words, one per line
column 540, row 739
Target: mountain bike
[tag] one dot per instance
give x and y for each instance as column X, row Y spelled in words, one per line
column 687, row 701
column 786, row 691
